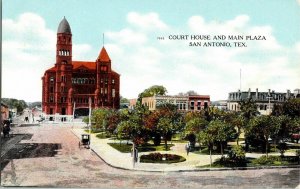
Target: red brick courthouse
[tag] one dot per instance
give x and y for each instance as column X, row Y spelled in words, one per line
column 71, row 81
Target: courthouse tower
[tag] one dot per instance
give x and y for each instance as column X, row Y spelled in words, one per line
column 71, row 81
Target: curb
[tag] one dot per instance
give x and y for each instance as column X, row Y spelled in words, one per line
column 195, row 169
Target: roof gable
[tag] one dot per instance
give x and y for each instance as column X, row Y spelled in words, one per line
column 103, row 56
column 83, row 65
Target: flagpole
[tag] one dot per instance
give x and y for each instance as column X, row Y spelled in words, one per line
column 90, row 110
column 240, row 79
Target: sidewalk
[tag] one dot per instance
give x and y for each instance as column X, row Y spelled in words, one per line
column 124, row 160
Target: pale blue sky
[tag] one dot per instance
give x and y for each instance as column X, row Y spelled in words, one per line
column 131, row 29
column 93, row 17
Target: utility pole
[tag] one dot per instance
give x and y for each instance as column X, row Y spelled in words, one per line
column 240, row 79
column 90, row 125
column 74, row 112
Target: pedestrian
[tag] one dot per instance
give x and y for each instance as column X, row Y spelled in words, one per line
column 6, row 130
column 136, row 154
column 187, row 148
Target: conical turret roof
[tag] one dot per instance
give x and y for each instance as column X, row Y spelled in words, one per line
column 103, row 56
column 64, row 27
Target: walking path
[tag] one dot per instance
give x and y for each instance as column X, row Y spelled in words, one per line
column 125, row 161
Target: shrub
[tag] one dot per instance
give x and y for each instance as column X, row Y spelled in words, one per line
column 158, row 158
column 237, row 153
column 264, row 160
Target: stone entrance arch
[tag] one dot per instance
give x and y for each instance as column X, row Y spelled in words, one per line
column 81, row 111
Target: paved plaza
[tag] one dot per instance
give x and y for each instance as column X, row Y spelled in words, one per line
column 49, row 156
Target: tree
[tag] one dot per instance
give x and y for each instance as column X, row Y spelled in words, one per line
column 239, row 122
column 20, row 105
column 207, row 137
column 132, row 124
column 152, row 91
column 217, row 132
column 99, row 119
column 248, row 108
column 113, row 118
column 194, row 126
column 289, row 108
column 35, row 104
column 213, row 113
column 188, row 93
column 223, row 132
column 263, row 127
column 123, row 100
column 164, row 121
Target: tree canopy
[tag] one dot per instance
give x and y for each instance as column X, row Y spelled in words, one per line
column 20, row 105
column 152, row 91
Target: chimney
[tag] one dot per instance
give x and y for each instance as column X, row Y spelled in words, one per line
column 256, row 94
column 249, row 93
column 288, row 94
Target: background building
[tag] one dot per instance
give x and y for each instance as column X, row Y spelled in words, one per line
column 220, row 104
column 71, row 82
column 264, row 100
column 183, row 103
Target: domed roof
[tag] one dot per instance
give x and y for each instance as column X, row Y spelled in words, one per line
column 64, row 27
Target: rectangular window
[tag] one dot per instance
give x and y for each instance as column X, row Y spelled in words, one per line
column 52, row 79
column 101, row 90
column 105, row 91
column 51, row 89
column 192, row 105
column 51, row 99
column 113, row 93
column 113, row 81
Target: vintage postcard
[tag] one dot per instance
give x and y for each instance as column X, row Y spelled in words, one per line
column 150, row 94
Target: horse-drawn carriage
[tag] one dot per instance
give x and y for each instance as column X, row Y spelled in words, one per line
column 85, row 141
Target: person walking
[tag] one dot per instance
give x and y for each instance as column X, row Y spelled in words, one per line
column 187, row 148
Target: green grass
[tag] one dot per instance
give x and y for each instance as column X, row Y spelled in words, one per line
column 177, row 138
column 251, row 162
column 92, row 132
column 103, row 135
column 205, row 151
column 126, row 148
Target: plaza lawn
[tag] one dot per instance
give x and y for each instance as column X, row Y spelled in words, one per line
column 252, row 162
column 92, row 132
column 126, row 148
column 205, row 151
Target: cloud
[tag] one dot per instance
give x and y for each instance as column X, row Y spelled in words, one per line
column 214, row 71
column 142, row 60
column 148, row 21
column 127, row 37
column 298, row 1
